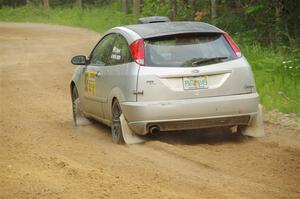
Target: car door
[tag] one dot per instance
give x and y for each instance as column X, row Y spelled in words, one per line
column 118, row 77
column 93, row 86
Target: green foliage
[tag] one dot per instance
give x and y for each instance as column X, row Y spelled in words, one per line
column 156, row 7
column 98, row 19
column 254, row 9
column 277, row 75
column 55, row 3
column 230, row 23
column 184, row 11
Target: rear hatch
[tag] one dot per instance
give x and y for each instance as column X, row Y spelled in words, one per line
column 187, row 66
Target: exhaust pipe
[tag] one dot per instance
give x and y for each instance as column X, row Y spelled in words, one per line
column 154, row 130
column 233, row 129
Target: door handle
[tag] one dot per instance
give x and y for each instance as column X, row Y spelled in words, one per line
column 98, row 74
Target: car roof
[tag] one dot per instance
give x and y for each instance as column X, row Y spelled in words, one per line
column 170, row 28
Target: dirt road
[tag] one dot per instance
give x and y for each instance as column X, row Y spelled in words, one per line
column 42, row 155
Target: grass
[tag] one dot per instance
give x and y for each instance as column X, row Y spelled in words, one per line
column 97, row 19
column 277, row 73
column 277, row 76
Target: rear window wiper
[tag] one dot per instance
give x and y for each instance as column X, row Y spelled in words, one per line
column 205, row 60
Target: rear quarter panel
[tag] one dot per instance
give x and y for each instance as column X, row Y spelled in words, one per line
column 121, row 84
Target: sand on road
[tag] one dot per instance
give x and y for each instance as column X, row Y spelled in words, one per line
column 42, row 154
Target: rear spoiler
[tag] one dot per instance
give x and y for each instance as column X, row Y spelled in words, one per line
column 153, row 19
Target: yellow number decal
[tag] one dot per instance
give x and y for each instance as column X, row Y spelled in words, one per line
column 90, row 83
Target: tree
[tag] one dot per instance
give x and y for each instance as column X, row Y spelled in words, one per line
column 125, row 6
column 136, row 7
column 278, row 21
column 173, row 9
column 213, row 10
column 194, row 7
column 46, row 4
column 78, row 3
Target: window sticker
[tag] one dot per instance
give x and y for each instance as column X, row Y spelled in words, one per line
column 116, row 50
column 116, row 57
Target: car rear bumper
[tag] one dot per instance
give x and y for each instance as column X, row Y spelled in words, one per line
column 191, row 113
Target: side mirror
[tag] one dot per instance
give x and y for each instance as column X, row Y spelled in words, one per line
column 79, row 60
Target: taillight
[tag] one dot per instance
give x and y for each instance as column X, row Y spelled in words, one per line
column 137, row 51
column 233, row 45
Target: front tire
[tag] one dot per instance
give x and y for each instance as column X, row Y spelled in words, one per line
column 78, row 116
column 116, row 129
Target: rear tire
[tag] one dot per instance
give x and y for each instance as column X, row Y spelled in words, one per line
column 116, row 129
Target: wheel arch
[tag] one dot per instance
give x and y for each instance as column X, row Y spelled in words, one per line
column 72, row 85
column 112, row 101
column 116, row 94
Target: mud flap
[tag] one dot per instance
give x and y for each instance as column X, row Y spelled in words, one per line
column 129, row 136
column 256, row 128
column 79, row 118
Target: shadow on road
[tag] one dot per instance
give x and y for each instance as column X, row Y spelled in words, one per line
column 102, row 127
column 209, row 136
column 202, row 136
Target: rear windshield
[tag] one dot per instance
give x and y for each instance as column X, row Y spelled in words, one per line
column 187, row 50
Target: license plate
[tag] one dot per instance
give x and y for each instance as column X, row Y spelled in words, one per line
column 190, row 83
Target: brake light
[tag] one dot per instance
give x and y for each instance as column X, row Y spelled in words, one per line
column 138, row 52
column 233, row 45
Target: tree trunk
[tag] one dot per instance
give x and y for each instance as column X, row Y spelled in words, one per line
column 194, row 7
column 278, row 22
column 213, row 12
column 125, row 6
column 78, row 3
column 239, row 7
column 46, row 4
column 185, row 3
column 27, row 2
column 173, row 9
column 136, row 7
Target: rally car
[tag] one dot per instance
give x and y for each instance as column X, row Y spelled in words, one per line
column 165, row 76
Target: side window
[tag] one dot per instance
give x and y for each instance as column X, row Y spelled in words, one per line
column 120, row 52
column 101, row 53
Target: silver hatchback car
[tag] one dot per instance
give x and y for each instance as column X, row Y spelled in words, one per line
column 166, row 76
